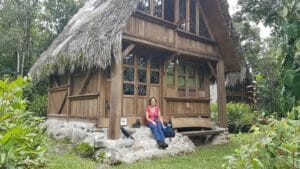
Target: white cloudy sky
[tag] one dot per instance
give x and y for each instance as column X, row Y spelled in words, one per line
column 265, row 31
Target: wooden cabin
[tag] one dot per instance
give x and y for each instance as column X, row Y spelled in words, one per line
column 114, row 55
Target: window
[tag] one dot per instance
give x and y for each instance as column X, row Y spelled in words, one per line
column 154, row 71
column 182, row 14
column 171, row 74
column 144, row 5
column 201, row 77
column 128, row 75
column 203, row 31
column 192, row 16
column 169, row 10
column 157, row 8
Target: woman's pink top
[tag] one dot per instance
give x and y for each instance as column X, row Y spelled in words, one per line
column 153, row 115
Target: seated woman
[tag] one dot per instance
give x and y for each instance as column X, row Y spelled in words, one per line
column 155, row 122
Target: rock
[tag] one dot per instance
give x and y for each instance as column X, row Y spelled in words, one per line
column 125, row 143
column 112, row 156
column 78, row 136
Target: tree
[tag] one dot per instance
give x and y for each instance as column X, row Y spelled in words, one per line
column 282, row 50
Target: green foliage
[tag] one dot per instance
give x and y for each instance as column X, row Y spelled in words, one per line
column 39, row 105
column 277, row 146
column 240, row 116
column 22, row 142
column 84, row 150
column 278, row 60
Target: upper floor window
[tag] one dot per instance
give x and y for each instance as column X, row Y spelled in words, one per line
column 169, row 10
column 189, row 16
column 158, row 8
column 144, row 5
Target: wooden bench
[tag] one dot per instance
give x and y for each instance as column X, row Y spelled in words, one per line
column 203, row 125
column 188, row 122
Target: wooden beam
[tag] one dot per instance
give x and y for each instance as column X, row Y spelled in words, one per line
column 222, row 116
column 187, row 15
column 147, row 42
column 212, row 69
column 176, row 12
column 63, row 103
column 85, row 81
column 128, row 50
column 197, row 3
column 115, row 100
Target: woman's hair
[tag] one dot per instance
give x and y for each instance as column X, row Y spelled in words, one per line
column 151, row 99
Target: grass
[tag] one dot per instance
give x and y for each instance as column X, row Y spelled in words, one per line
column 205, row 157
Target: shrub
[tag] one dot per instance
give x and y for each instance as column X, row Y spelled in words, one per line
column 84, row 150
column 277, row 147
column 22, row 141
column 240, row 116
column 39, row 105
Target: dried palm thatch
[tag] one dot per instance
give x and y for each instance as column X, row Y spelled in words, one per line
column 232, row 78
column 89, row 40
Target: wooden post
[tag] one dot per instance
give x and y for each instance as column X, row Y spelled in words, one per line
column 69, row 92
column 115, row 100
column 222, row 116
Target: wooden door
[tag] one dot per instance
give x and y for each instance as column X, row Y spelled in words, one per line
column 141, row 80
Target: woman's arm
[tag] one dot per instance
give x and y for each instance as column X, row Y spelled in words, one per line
column 160, row 118
column 148, row 119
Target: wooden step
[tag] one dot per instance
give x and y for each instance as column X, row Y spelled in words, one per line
column 202, row 132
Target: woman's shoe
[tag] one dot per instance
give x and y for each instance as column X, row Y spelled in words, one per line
column 164, row 145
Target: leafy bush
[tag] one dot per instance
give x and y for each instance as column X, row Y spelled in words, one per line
column 39, row 105
column 277, row 146
column 84, row 150
column 22, row 141
column 240, row 116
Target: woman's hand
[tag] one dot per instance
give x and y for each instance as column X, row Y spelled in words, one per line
column 154, row 123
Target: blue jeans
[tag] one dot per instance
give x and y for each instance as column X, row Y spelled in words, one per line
column 157, row 130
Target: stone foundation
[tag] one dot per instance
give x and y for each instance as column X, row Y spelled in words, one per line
column 123, row 150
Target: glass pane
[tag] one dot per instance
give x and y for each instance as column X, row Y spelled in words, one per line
column 128, row 60
column 144, row 5
column 182, row 14
column 181, row 92
column 155, row 63
column 142, row 62
column 142, row 74
column 190, row 70
column 201, row 74
column 128, row 74
column 128, row 89
column 192, row 93
column 171, row 68
column 171, row 80
column 192, row 16
column 142, row 90
column 158, row 8
column 203, row 31
column 154, row 77
column 169, row 10
column 192, row 83
column 181, row 69
column 181, row 81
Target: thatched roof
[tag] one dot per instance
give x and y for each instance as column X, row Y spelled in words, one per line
column 93, row 35
column 89, row 40
column 233, row 77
